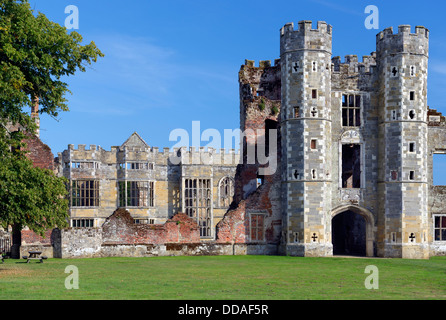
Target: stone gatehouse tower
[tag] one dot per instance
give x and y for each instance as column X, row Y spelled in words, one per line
column 356, row 144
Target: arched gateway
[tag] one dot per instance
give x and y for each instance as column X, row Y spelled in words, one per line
column 352, row 230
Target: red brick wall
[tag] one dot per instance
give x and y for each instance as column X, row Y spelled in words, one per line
column 120, row 228
column 39, row 153
column 30, row 237
column 234, row 228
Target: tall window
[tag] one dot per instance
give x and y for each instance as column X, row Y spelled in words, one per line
column 197, row 203
column 351, row 110
column 226, row 191
column 136, row 193
column 257, row 227
column 351, row 166
column 85, row 193
column 440, row 228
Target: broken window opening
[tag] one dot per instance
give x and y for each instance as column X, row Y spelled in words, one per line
column 269, row 125
column 260, row 180
column 136, row 193
column 197, row 203
column 351, row 166
column 351, row 110
column 411, row 114
column 226, row 189
column 296, row 112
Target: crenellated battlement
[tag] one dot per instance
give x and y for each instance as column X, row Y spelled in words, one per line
column 262, row 63
column 405, row 29
column 305, row 27
column 177, row 155
column 305, row 37
column 352, row 65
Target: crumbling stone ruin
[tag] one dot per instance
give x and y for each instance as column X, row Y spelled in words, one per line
column 354, row 157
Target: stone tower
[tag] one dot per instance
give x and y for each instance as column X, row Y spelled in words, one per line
column 403, row 131
column 305, row 56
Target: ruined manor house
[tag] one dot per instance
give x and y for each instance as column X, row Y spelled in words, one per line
column 353, row 142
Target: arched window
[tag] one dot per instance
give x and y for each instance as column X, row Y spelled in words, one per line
column 225, row 191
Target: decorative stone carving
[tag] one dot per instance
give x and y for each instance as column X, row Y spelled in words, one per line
column 351, row 136
column 352, row 195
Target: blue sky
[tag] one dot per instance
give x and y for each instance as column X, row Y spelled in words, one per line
column 168, row 63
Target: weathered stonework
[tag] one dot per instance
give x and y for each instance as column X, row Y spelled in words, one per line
column 349, row 148
column 165, row 174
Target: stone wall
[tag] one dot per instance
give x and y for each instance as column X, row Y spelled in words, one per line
column 119, row 236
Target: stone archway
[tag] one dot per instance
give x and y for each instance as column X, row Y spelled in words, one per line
column 347, row 213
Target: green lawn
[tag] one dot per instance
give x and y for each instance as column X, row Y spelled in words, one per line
column 224, row 278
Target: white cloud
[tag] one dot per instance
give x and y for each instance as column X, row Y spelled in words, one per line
column 438, row 67
column 137, row 74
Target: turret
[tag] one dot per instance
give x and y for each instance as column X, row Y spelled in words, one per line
column 402, row 66
column 305, row 56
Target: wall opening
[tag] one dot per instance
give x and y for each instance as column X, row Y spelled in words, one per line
column 351, row 166
column 313, row 144
column 348, row 234
column 314, row 93
column 197, row 195
column 269, row 125
column 296, row 112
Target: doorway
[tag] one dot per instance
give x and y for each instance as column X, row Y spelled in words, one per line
column 348, row 234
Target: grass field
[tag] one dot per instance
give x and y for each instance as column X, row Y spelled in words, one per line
column 224, row 278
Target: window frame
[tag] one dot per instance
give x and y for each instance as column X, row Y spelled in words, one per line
column 197, row 195
column 259, row 228
column 441, row 227
column 83, row 223
column 229, row 190
column 353, row 113
column 127, row 198
column 78, row 194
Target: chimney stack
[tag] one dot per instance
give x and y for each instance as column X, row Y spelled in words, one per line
column 35, row 114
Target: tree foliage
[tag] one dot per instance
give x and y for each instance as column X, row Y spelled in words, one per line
column 31, row 196
column 36, row 55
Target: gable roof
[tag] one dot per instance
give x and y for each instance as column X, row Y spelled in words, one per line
column 135, row 140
